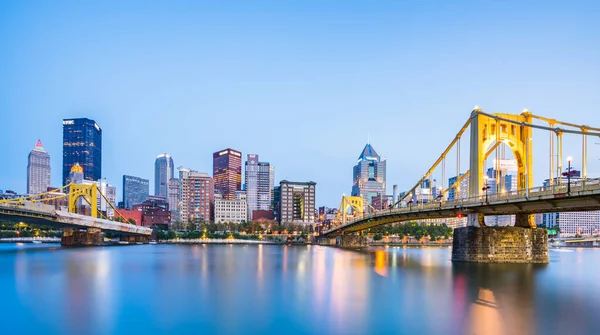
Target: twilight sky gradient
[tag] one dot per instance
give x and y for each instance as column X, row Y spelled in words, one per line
column 300, row 83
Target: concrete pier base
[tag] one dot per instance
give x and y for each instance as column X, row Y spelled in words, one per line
column 76, row 238
column 351, row 241
column 326, row 241
column 132, row 239
column 500, row 245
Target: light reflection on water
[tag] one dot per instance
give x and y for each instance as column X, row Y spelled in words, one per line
column 266, row 289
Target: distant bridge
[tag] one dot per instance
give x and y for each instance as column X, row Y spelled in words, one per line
column 36, row 209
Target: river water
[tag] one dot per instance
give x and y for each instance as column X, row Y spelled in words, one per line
column 269, row 289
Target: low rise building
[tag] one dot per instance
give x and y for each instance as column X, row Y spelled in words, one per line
column 231, row 211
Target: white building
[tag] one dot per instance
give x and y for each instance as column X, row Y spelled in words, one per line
column 38, row 170
column 260, row 178
column 234, row 211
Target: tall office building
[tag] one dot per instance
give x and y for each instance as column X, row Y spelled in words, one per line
column 82, row 143
column 227, row 172
column 259, row 184
column 135, row 191
column 163, row 171
column 369, row 175
column 197, row 196
column 174, row 191
column 38, row 170
column 297, row 203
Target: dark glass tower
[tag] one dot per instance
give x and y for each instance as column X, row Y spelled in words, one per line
column 82, row 143
column 135, row 191
column 227, row 172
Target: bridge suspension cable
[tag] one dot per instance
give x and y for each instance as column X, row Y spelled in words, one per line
column 438, row 161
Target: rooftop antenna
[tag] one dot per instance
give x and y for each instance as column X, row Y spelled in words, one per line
column 368, row 137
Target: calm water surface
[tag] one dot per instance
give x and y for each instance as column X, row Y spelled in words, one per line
column 221, row 289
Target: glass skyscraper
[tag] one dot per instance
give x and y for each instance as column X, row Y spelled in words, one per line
column 82, row 143
column 163, row 171
column 227, row 172
column 369, row 175
column 135, row 191
column 259, row 184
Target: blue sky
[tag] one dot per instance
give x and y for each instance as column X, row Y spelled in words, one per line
column 300, row 83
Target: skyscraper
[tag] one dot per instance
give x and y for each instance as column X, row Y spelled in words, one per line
column 174, row 192
column 135, row 191
column 163, row 171
column 259, row 184
column 227, row 172
column 369, row 175
column 82, row 143
column 38, row 170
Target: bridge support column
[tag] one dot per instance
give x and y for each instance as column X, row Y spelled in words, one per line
column 351, row 241
column 525, row 221
column 500, row 245
column 77, row 238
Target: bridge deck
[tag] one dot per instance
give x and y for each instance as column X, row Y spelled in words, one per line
column 63, row 219
column 541, row 200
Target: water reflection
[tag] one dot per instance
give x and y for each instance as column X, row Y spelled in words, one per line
column 224, row 289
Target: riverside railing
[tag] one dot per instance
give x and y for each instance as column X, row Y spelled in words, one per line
column 536, row 193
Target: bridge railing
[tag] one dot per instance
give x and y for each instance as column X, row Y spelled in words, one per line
column 577, row 188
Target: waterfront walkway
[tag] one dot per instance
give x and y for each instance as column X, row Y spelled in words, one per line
column 216, row 241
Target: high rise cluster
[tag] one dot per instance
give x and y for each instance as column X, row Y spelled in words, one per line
column 189, row 197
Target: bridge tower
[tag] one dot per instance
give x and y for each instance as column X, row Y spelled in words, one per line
column 487, row 133
column 353, row 203
column 88, row 192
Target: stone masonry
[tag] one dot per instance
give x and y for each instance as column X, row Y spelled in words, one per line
column 73, row 237
column 500, row 245
column 351, row 241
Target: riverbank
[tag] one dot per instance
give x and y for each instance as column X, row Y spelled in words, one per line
column 216, row 241
column 29, row 239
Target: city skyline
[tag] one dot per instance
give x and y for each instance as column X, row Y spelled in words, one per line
column 261, row 88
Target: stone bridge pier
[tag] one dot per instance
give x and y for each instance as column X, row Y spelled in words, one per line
column 133, row 239
column 500, row 245
column 351, row 241
column 77, row 238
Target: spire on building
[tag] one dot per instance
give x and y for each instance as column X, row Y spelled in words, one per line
column 368, row 153
column 39, row 147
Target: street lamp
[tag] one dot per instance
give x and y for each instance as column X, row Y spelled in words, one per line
column 569, row 159
column 486, row 188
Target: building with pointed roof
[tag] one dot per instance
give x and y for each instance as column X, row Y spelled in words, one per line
column 38, row 170
column 369, row 175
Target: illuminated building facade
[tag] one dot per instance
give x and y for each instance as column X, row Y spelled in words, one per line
column 197, row 197
column 82, row 143
column 297, row 202
column 369, row 175
column 227, row 172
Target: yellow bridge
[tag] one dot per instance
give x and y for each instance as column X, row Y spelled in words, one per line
column 490, row 134
column 48, row 209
